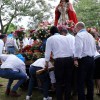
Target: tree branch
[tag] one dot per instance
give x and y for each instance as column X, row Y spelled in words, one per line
column 1, row 22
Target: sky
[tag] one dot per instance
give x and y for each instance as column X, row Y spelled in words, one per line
column 25, row 20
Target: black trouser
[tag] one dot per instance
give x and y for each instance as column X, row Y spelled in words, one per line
column 85, row 74
column 63, row 74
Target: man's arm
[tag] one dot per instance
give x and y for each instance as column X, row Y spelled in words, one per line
column 78, row 49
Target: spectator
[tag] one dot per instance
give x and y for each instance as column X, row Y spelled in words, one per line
column 11, row 45
column 85, row 49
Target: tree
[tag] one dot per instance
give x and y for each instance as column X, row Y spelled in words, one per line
column 12, row 28
column 12, row 9
column 88, row 11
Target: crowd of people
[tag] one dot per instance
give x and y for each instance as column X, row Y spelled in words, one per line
column 69, row 52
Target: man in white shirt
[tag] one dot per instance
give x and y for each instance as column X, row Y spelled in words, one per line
column 85, row 49
column 13, row 68
column 3, row 39
column 63, row 52
column 74, row 76
column 37, row 65
column 11, row 44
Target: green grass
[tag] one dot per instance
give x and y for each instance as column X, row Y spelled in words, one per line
column 37, row 95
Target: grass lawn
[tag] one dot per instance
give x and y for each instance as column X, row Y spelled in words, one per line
column 36, row 94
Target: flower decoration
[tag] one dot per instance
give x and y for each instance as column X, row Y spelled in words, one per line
column 69, row 25
column 36, row 46
column 19, row 33
column 26, row 48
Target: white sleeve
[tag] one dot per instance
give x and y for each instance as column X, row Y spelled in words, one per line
column 15, row 44
column 48, row 50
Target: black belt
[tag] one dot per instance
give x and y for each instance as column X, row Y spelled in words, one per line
column 63, row 58
column 88, row 57
column 10, row 46
column 5, row 69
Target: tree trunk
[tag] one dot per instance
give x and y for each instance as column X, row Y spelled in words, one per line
column 7, row 27
column 1, row 24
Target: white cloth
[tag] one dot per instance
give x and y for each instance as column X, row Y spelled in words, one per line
column 63, row 10
column 84, row 44
column 41, row 63
column 60, row 46
column 13, row 62
column 25, row 42
column 31, row 41
column 1, row 46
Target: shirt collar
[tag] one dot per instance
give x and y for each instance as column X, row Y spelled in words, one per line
column 56, row 34
column 82, row 30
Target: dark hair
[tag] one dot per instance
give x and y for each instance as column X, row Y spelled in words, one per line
column 65, row 1
column 53, row 30
column 2, row 36
column 64, row 30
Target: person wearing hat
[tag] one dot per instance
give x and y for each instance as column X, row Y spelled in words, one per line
column 13, row 68
column 3, row 39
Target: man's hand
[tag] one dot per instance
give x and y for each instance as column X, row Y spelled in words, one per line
column 46, row 65
column 76, row 63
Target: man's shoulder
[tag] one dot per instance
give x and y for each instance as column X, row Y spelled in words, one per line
column 1, row 41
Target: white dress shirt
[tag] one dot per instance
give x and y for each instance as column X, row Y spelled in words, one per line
column 41, row 63
column 11, row 42
column 1, row 46
column 84, row 44
column 60, row 46
column 71, row 41
column 13, row 62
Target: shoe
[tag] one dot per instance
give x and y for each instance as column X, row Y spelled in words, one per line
column 45, row 98
column 14, row 94
column 48, row 98
column 28, row 97
column 1, row 85
column 7, row 91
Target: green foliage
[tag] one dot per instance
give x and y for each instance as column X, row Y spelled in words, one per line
column 12, row 28
column 88, row 11
column 16, row 9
